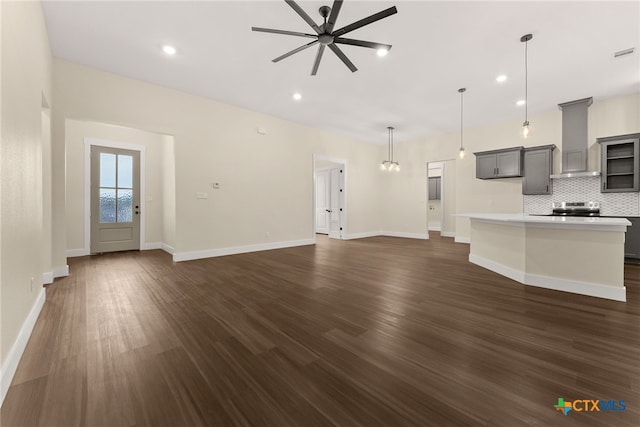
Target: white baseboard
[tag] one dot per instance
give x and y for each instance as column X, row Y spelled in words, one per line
column 422, row 236
column 150, row 246
column 168, row 249
column 448, row 234
column 71, row 253
column 10, row 364
column 435, row 228
column 362, row 235
column 47, row 278
column 210, row 253
column 558, row 284
column 462, row 239
column 583, row 288
column 61, row 271
column 511, row 273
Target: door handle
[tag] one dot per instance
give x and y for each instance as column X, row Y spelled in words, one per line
column 137, row 211
column 328, row 210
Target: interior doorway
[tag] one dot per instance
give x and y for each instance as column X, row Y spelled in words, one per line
column 434, row 196
column 441, row 198
column 329, row 194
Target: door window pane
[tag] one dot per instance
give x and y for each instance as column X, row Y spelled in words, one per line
column 107, row 205
column 125, row 171
column 107, row 170
column 125, row 204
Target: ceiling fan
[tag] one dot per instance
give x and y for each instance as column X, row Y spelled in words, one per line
column 325, row 35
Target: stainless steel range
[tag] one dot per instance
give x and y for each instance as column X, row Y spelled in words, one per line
column 575, row 209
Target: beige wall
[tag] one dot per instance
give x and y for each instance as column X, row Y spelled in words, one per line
column 159, row 178
column 26, row 78
column 449, row 191
column 168, row 171
column 407, row 189
column 266, row 180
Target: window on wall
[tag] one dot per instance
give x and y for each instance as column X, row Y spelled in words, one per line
column 116, row 188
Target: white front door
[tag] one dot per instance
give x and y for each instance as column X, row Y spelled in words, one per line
column 335, row 205
column 115, row 199
column 323, row 207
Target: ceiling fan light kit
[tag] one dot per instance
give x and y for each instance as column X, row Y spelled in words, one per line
column 325, row 36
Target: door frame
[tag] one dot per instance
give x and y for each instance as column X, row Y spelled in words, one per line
column 343, row 195
column 88, row 143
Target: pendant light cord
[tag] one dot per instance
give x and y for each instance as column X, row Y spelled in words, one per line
column 461, row 117
column 391, row 139
column 461, row 91
column 526, row 82
column 389, row 145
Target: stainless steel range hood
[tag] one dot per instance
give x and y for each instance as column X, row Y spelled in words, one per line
column 575, row 139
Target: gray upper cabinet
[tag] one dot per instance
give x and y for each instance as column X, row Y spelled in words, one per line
column 538, row 164
column 620, row 163
column 434, row 188
column 505, row 163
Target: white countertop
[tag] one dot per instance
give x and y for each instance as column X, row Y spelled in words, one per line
column 588, row 223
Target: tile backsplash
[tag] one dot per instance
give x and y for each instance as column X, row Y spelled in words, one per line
column 585, row 189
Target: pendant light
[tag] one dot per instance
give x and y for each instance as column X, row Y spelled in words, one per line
column 461, row 91
column 525, row 125
column 389, row 164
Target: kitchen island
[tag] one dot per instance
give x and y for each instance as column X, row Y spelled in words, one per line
column 571, row 254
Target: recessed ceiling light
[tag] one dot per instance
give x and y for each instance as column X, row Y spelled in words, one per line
column 297, row 96
column 501, row 78
column 521, row 102
column 169, row 50
column 382, row 52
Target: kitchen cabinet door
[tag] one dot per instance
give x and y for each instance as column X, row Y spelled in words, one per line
column 538, row 163
column 632, row 239
column 620, row 164
column 486, row 166
column 508, row 164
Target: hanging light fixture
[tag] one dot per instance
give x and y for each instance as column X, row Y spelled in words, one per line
column 525, row 126
column 389, row 164
column 461, row 91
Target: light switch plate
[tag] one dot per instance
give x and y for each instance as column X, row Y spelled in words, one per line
column 216, row 184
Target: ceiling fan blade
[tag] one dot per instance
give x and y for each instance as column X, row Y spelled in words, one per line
column 285, row 32
column 362, row 43
column 303, row 15
column 316, row 63
column 296, row 50
column 365, row 21
column 343, row 57
column 335, row 9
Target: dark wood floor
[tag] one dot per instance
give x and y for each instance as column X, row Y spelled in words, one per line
column 372, row 332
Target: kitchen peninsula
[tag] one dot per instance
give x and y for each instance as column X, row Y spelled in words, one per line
column 571, row 254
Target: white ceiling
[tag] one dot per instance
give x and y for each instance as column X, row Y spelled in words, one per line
column 438, row 47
